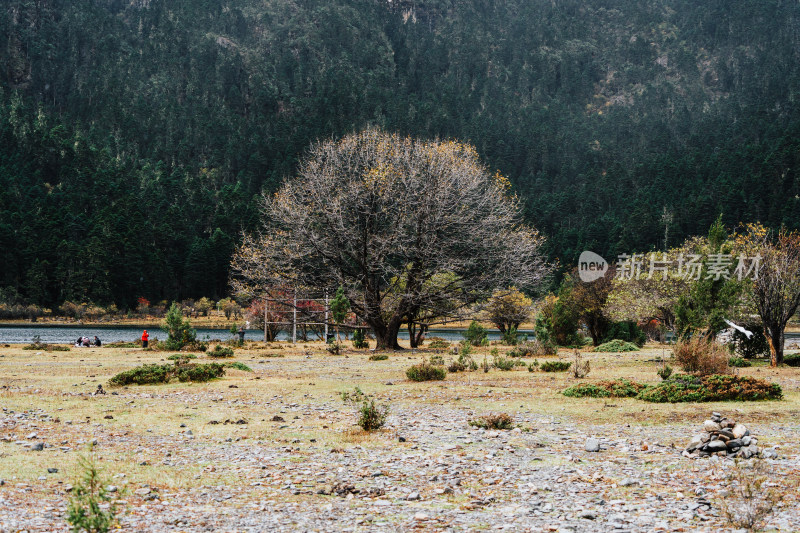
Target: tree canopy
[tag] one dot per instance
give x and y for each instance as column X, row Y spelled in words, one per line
column 382, row 215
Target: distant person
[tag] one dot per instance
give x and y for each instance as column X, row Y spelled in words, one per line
column 97, row 342
column 145, row 338
column 78, row 342
column 86, row 343
column 241, row 335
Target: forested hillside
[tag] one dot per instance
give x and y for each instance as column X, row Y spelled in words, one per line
column 135, row 135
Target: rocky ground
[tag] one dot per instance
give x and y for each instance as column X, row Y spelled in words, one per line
column 277, row 450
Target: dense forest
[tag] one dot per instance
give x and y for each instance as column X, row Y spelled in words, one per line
column 137, row 135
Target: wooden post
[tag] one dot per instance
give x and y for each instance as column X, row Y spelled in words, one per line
column 294, row 318
column 326, row 315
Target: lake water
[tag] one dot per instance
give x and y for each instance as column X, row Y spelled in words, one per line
column 68, row 334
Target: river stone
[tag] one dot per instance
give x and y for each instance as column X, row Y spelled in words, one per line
column 716, row 446
column 711, row 426
column 746, row 440
column 39, row 446
column 734, row 443
column 592, row 445
column 770, row 453
column 739, row 431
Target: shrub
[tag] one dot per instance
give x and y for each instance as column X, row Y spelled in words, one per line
column 534, row 348
column 39, row 344
column 580, row 368
column 154, row 374
column 502, row 363
column 91, row 507
column 701, row 356
column 378, row 357
column 792, row 359
column 619, row 388
column 499, row 421
column 357, row 396
column 533, row 366
column 220, row 352
column 466, row 349
column 510, row 336
column 437, row 360
column 438, row 344
column 200, row 373
column 372, row 417
column 359, row 340
column 238, row 365
column 617, row 346
column 181, row 357
column 426, row 372
column 464, row 362
column 664, row 372
column 713, row 388
column 143, row 375
column 555, row 366
column 476, row 334
column 179, row 330
column 748, row 502
column 334, row 348
column 756, row 345
column 738, row 362
column 627, row 331
column 122, row 344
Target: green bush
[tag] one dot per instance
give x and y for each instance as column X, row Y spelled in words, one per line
column 426, row 372
column 238, row 365
column 534, row 348
column 143, row 375
column 437, row 360
column 200, row 373
column 372, row 417
column 378, row 357
column 738, row 362
column 476, row 334
column 181, row 356
column 713, row 388
column 619, row 388
column 220, row 352
column 616, row 346
column 555, row 366
column 499, row 421
column 792, row 359
column 511, row 337
column 438, row 343
column 627, row 330
column 756, row 345
column 664, row 372
column 91, row 507
column 359, row 339
column 179, row 331
column 155, row 374
column 334, row 348
column 502, row 363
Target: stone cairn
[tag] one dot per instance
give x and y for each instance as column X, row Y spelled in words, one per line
column 723, row 437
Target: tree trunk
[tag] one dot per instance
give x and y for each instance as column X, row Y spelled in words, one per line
column 774, row 335
column 386, row 337
column 420, row 336
column 412, row 334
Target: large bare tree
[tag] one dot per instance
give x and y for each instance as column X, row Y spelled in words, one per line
column 384, row 215
column 776, row 285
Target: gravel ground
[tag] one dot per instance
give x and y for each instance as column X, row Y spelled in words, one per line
column 428, row 469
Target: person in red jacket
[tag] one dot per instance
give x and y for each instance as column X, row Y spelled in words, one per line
column 145, row 338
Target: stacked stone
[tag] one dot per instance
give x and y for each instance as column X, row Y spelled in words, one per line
column 723, row 437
